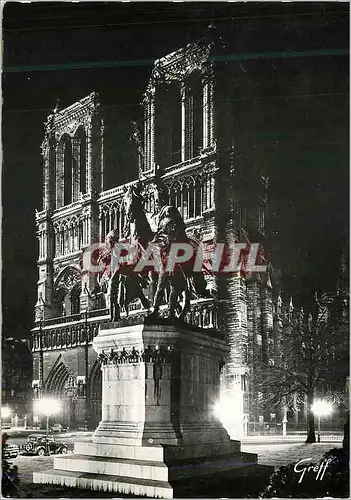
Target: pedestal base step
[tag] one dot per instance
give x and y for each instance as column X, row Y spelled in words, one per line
column 143, row 469
column 117, row 484
column 156, row 453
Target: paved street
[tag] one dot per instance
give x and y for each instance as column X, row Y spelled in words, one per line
column 27, row 464
column 68, row 439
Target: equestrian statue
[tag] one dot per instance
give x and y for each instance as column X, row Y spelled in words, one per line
column 123, row 285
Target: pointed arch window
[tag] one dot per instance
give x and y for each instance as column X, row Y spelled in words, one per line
column 79, row 163
column 112, row 219
column 52, row 184
column 168, row 124
column 198, row 198
column 67, row 171
column 83, row 162
column 191, row 201
column 175, row 196
column 198, row 106
column 75, row 299
column 186, row 201
column 59, row 303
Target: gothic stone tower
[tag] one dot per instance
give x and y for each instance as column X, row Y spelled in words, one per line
column 190, row 142
column 68, row 223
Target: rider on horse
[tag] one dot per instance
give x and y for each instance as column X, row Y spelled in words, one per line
column 171, row 228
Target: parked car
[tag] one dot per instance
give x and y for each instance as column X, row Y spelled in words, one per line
column 38, row 444
column 57, row 428
column 10, row 451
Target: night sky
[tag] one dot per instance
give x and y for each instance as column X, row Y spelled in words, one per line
column 292, row 116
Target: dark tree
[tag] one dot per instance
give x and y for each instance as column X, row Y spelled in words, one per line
column 313, row 359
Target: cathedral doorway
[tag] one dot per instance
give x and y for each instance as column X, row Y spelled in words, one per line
column 95, row 396
column 62, row 385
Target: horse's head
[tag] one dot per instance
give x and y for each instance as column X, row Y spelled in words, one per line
column 133, row 202
column 111, row 239
column 160, row 197
column 133, row 205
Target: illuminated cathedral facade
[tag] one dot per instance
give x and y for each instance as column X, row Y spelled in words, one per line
column 188, row 139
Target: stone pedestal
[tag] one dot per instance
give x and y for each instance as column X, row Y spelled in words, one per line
column 158, row 427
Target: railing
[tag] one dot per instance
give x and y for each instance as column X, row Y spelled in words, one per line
column 69, row 255
column 98, row 312
column 66, row 335
column 67, row 209
column 73, row 318
column 62, row 319
column 191, row 163
column 39, row 214
column 116, row 191
column 72, row 331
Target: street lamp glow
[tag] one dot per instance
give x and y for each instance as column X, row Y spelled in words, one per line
column 228, row 409
column 322, row 408
column 220, row 410
column 225, row 408
column 47, row 406
column 5, row 412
